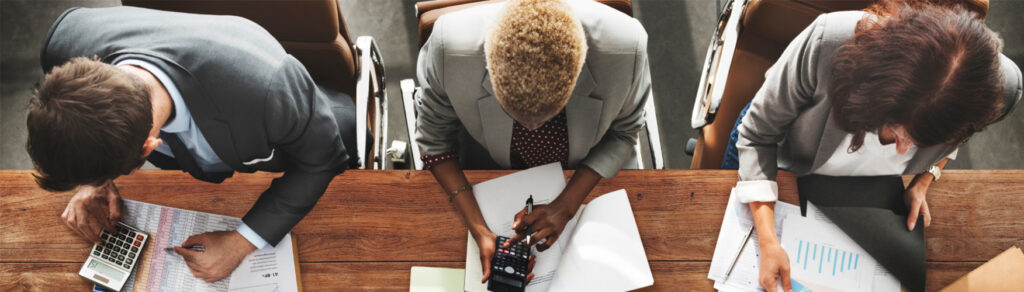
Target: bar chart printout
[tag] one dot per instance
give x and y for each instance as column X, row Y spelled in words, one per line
column 823, row 258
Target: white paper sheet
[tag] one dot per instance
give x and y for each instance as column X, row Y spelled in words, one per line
column 823, row 258
column 268, row 269
column 604, row 252
column 500, row 199
column 735, row 225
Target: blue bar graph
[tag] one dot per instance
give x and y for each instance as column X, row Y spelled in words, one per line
column 842, row 260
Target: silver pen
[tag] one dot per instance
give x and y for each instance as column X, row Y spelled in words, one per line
column 529, row 209
column 198, row 247
column 739, row 251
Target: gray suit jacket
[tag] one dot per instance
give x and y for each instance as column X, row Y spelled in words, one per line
column 604, row 114
column 789, row 118
column 256, row 105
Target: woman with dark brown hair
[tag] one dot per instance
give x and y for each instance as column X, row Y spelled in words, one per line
column 893, row 90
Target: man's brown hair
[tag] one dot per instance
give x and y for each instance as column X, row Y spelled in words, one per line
column 86, row 124
column 932, row 69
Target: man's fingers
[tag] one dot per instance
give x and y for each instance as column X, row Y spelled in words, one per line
column 915, row 207
column 529, row 278
column 517, row 221
column 539, row 235
column 515, row 239
column 533, row 262
column 548, row 243
column 114, row 205
column 926, row 213
column 486, row 261
column 198, row 239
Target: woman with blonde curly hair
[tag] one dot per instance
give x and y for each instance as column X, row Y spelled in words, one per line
column 531, row 82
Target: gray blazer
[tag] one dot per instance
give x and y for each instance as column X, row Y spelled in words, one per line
column 256, row 105
column 604, row 114
column 789, row 118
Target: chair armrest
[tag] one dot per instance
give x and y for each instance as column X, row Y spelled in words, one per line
column 653, row 132
column 717, row 64
column 370, row 89
column 409, row 102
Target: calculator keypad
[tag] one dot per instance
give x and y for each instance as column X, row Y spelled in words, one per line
column 120, row 248
column 513, row 260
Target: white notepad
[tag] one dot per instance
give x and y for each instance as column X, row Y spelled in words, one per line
column 599, row 249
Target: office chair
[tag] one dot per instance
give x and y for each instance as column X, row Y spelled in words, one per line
column 314, row 32
column 751, row 35
column 429, row 11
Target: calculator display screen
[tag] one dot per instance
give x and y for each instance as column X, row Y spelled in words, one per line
column 104, row 269
column 507, row 280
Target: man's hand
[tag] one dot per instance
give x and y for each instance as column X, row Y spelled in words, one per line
column 546, row 222
column 486, row 242
column 224, row 251
column 92, row 209
column 774, row 264
column 915, row 199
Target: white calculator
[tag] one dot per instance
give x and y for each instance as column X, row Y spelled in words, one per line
column 109, row 264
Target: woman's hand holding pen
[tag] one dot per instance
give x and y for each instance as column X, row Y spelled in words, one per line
column 545, row 223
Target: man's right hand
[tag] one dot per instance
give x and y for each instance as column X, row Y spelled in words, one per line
column 93, row 208
column 774, row 264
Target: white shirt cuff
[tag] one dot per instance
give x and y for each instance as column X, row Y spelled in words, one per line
column 252, row 237
column 757, row 191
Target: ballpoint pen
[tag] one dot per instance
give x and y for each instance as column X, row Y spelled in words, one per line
column 529, row 209
column 198, row 247
column 738, row 251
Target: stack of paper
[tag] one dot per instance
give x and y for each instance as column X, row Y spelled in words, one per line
column 599, row 249
column 736, row 223
column 823, row 258
column 268, row 269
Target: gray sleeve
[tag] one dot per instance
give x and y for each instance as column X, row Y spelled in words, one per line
column 437, row 125
column 616, row 146
column 788, row 87
column 302, row 127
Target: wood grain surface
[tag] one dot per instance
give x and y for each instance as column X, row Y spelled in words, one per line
column 360, row 234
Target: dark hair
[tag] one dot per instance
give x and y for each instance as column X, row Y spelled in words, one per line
column 934, row 70
column 86, row 124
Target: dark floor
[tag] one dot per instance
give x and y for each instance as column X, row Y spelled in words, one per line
column 679, row 31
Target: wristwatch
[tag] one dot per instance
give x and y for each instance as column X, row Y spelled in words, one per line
column 936, row 172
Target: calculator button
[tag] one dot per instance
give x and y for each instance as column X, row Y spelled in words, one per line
column 138, row 243
column 120, row 257
column 96, row 253
column 135, row 249
column 510, row 270
column 104, row 236
column 104, row 256
column 127, row 266
column 128, row 261
column 131, row 255
column 138, row 237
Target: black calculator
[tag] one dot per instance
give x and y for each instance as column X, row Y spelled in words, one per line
column 109, row 264
column 509, row 267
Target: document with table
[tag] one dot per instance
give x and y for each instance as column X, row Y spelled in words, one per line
column 268, row 269
column 822, row 257
column 599, row 249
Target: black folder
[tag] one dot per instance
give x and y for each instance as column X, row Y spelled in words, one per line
column 871, row 210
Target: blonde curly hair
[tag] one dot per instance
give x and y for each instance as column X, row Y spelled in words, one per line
column 535, row 50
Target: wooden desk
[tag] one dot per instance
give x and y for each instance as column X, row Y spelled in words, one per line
column 360, row 235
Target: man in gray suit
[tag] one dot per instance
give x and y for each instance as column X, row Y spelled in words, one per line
column 209, row 95
column 531, row 82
